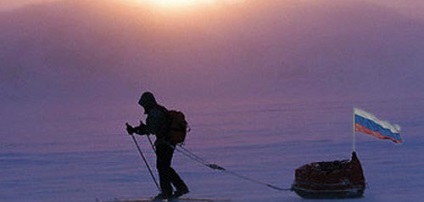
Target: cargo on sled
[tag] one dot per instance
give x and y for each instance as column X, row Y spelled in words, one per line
column 333, row 179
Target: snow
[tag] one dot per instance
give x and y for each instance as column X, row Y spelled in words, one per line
column 261, row 141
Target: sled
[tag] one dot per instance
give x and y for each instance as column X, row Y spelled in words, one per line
column 334, row 179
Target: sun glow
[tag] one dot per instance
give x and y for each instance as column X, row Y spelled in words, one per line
column 183, row 4
column 179, row 3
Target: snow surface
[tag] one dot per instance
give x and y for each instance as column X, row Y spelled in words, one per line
column 262, row 141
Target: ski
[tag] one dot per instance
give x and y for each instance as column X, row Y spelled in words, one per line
column 183, row 199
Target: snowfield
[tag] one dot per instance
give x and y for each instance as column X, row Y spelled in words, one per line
column 265, row 142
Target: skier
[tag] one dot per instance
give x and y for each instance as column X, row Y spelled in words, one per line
column 158, row 124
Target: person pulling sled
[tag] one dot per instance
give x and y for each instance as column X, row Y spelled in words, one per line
column 159, row 123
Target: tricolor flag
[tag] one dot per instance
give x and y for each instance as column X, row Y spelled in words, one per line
column 367, row 123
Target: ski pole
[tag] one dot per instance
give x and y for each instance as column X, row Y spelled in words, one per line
column 151, row 143
column 145, row 162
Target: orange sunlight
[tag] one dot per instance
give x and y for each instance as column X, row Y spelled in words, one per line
column 182, row 5
column 178, row 3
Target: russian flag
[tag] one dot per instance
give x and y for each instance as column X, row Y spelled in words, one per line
column 367, row 123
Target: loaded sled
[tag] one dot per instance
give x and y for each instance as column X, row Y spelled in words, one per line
column 334, row 179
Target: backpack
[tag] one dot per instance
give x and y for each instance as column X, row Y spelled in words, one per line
column 178, row 127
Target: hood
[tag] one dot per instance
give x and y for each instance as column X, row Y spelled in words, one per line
column 147, row 101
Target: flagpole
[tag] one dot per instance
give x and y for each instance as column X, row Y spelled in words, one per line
column 353, row 132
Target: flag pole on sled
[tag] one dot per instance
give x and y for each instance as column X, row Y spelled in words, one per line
column 353, row 132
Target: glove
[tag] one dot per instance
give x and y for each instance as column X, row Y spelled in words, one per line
column 140, row 129
column 131, row 130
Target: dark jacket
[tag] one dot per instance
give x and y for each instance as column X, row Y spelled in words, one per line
column 157, row 123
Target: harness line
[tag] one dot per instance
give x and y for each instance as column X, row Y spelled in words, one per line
column 212, row 166
column 198, row 159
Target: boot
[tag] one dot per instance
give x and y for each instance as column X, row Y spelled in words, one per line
column 179, row 193
column 161, row 197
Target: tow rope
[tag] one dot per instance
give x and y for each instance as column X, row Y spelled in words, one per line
column 200, row 160
column 212, row 166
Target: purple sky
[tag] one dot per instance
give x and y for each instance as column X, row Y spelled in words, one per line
column 409, row 7
column 13, row 4
column 99, row 54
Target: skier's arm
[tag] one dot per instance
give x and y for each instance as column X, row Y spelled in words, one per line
column 138, row 129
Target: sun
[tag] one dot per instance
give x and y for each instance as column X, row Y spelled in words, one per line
column 171, row 7
column 177, row 4
column 171, row 3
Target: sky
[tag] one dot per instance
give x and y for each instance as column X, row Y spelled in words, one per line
column 411, row 8
column 79, row 52
column 13, row 4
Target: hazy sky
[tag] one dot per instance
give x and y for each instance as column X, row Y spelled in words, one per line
column 411, row 8
column 57, row 59
column 230, row 50
column 12, row 4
